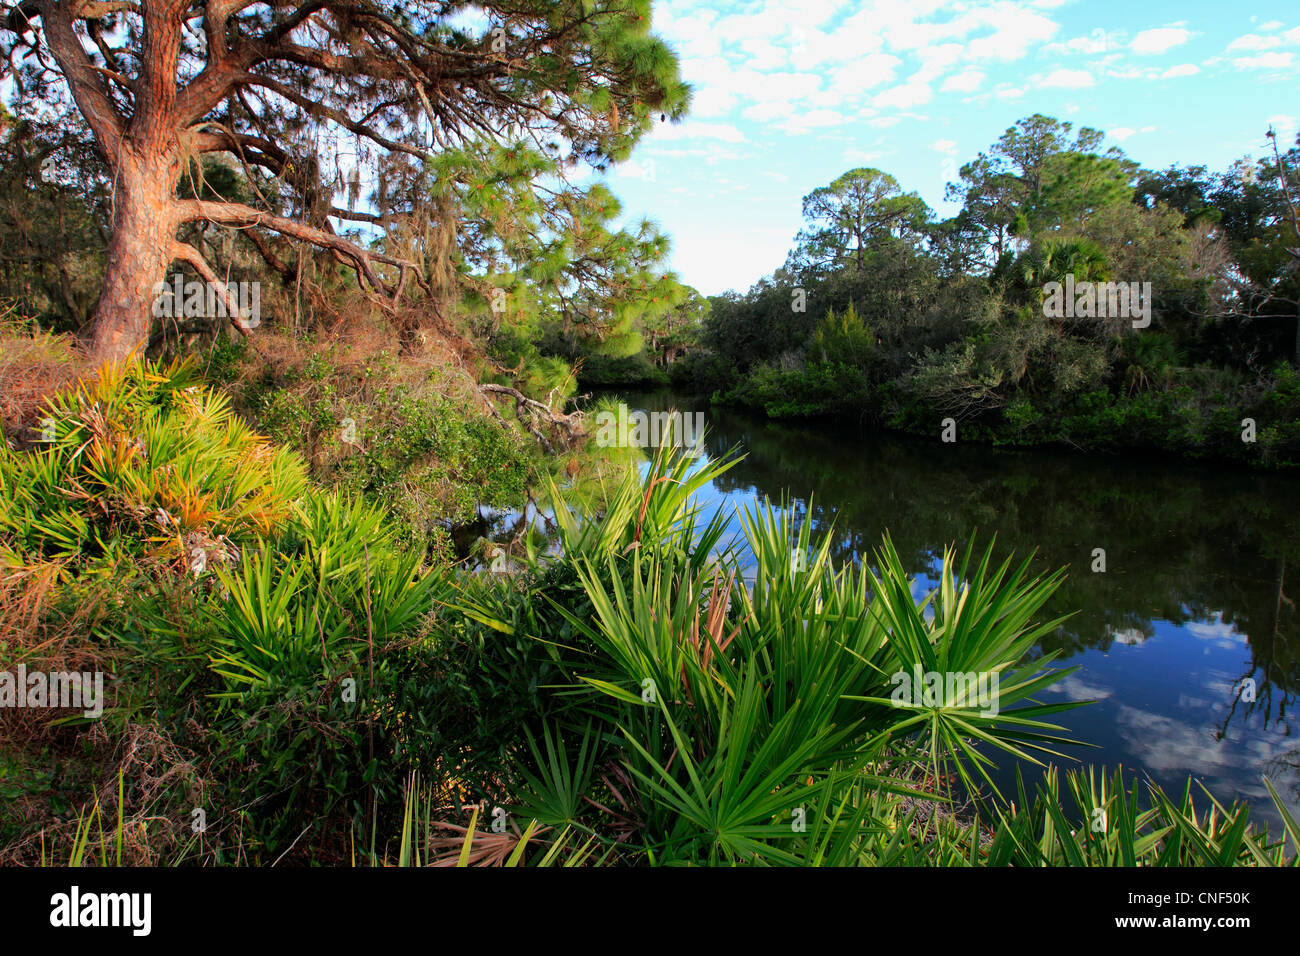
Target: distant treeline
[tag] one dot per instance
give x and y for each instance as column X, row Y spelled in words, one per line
column 885, row 313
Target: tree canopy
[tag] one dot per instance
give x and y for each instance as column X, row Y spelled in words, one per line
column 312, row 100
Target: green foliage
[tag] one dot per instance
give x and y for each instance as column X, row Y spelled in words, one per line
column 299, row 649
column 632, row 695
column 858, row 218
column 1112, row 828
column 257, row 617
column 145, row 464
column 635, row 371
column 846, row 339
column 433, row 460
column 923, row 320
column 55, row 216
column 387, row 433
column 816, row 389
column 725, row 709
column 647, row 699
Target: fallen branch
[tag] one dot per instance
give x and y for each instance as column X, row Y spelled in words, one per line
column 569, row 426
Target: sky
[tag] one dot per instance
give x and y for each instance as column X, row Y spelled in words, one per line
column 789, row 94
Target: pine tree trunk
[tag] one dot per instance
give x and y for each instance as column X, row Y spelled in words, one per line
column 144, row 228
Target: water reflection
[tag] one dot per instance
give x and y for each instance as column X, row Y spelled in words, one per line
column 1193, row 604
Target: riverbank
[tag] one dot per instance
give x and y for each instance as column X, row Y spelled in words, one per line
column 1193, row 599
column 1201, row 418
column 289, row 679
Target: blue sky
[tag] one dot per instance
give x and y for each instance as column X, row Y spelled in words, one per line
column 791, row 93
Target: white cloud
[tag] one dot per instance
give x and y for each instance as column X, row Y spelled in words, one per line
column 1265, row 61
column 912, row 93
column 731, row 253
column 1218, row 632
column 1016, row 32
column 854, row 38
column 829, row 98
column 1099, row 41
column 802, row 122
column 692, row 35
column 944, row 146
column 783, row 85
column 1122, row 133
column 1182, row 69
column 770, row 110
column 733, row 85
column 1159, row 40
column 1253, row 41
column 1133, row 72
column 871, row 70
column 1128, row 636
column 967, row 81
column 1067, row 79
column 1284, row 124
column 761, row 54
column 801, row 63
column 643, row 169
column 709, row 101
column 1075, row 688
column 936, row 59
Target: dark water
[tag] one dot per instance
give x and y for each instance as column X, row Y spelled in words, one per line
column 1199, row 593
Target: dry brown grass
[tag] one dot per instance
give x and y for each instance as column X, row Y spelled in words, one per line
column 367, row 354
column 159, row 780
column 434, row 357
column 32, row 633
column 47, row 634
column 33, row 365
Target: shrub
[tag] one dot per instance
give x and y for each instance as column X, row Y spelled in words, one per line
column 145, row 464
column 671, row 712
column 250, row 618
column 289, row 665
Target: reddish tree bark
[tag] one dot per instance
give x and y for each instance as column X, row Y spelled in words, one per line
column 141, row 248
column 251, row 77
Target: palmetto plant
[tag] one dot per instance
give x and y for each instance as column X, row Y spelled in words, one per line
column 702, row 709
column 143, row 461
column 306, row 644
column 982, row 624
column 1053, row 259
column 704, row 719
column 658, row 693
column 429, row 840
column 279, row 609
column 1152, row 360
column 1132, row 825
column 326, row 594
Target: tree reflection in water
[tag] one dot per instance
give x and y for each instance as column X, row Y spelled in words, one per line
column 1192, row 603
